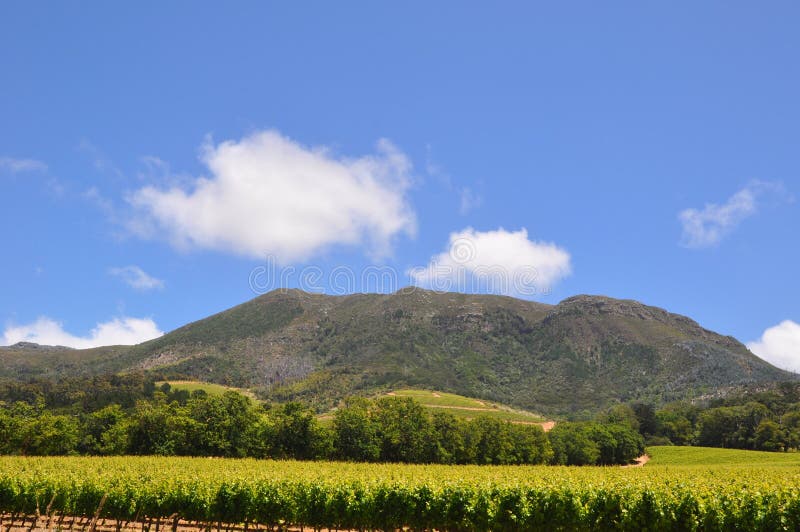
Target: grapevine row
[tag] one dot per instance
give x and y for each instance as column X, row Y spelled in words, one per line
column 390, row 497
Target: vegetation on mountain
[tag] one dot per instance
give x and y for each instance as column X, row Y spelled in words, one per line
column 573, row 359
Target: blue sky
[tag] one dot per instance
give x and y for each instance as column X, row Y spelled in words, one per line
column 154, row 155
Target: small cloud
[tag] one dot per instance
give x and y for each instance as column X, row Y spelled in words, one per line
column 469, row 200
column 94, row 195
column 56, row 187
column 436, row 171
column 780, row 346
column 14, row 166
column 503, row 262
column 137, row 278
column 118, row 331
column 101, row 163
column 706, row 227
column 269, row 195
column 158, row 172
column 155, row 165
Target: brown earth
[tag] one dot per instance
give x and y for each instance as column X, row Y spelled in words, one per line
column 639, row 462
column 88, row 524
column 547, row 425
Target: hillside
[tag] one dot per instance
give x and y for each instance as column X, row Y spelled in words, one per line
column 579, row 355
column 25, row 360
column 209, row 388
column 465, row 408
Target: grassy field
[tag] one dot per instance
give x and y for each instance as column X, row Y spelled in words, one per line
column 707, row 456
column 460, row 406
column 209, row 388
column 466, row 407
column 757, row 494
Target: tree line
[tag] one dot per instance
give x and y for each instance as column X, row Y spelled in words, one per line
column 165, row 421
column 133, row 414
column 763, row 420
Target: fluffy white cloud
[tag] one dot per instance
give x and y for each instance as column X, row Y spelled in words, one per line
column 137, row 278
column 21, row 165
column 500, row 261
column 707, row 226
column 118, row 331
column 780, row 346
column 268, row 195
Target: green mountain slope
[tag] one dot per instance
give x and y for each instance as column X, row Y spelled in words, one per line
column 24, row 361
column 580, row 355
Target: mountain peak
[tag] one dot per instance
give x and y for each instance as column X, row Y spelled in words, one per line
column 35, row 346
column 598, row 304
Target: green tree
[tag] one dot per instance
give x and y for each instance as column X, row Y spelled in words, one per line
column 731, row 426
column 629, row 444
column 573, row 445
column 646, row 418
column 770, row 436
column 530, row 444
column 355, row 433
column 489, row 441
column 448, row 437
column 227, row 424
column 404, row 429
column 105, row 432
column 621, row 415
column 675, row 426
column 164, row 429
column 10, row 431
column 297, row 433
column 49, row 435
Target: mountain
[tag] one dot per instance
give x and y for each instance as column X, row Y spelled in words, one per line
column 578, row 356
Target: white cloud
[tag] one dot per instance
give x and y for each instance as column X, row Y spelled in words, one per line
column 707, row 227
column 500, row 261
column 118, row 331
column 780, row 346
column 137, row 278
column 268, row 195
column 21, row 165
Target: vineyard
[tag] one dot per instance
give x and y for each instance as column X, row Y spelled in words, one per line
column 249, row 494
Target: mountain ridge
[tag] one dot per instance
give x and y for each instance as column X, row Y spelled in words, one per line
column 580, row 355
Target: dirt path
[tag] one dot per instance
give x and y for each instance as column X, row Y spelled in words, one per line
column 470, row 408
column 547, row 426
column 640, row 462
